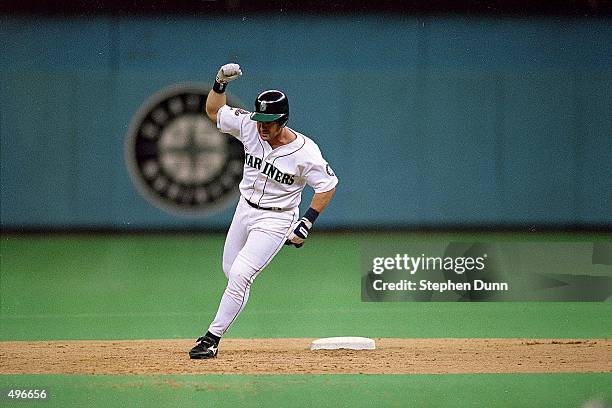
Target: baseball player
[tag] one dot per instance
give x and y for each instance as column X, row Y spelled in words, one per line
column 279, row 162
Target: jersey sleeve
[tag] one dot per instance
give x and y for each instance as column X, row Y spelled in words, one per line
column 320, row 175
column 231, row 120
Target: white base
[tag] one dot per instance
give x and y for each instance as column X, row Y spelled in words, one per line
column 352, row 343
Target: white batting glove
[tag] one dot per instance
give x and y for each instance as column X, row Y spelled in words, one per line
column 299, row 231
column 228, row 73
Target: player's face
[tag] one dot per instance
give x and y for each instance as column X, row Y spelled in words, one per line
column 269, row 131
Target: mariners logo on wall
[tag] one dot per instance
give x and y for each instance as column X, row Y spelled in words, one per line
column 177, row 157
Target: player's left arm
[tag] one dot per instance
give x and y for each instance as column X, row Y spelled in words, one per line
column 321, row 200
column 301, row 229
column 318, row 175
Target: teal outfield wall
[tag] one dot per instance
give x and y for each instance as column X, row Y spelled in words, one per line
column 426, row 120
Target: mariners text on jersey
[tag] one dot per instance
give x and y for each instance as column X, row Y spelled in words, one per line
column 276, row 177
column 269, row 170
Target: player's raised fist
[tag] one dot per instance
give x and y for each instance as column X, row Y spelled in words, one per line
column 228, row 73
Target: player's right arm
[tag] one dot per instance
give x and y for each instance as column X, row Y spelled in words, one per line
column 216, row 97
column 214, row 102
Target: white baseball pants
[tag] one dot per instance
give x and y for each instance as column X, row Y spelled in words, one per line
column 254, row 238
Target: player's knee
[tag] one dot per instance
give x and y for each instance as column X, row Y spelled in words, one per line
column 241, row 278
column 238, row 284
column 241, row 273
column 228, row 261
column 227, row 267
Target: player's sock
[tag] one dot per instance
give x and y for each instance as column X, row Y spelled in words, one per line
column 217, row 339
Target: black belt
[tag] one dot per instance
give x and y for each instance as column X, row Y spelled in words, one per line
column 263, row 208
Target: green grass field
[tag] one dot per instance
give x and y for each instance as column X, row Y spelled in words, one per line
column 168, row 286
column 500, row 390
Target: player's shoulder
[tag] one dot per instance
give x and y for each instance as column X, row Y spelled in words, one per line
column 308, row 152
column 238, row 112
column 230, row 117
column 308, row 145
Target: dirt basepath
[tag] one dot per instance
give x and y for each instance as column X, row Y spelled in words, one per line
column 293, row 356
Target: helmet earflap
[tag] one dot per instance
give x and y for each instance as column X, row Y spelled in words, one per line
column 282, row 122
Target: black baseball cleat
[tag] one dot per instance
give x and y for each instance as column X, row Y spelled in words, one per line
column 206, row 348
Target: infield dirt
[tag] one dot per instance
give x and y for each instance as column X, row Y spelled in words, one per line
column 293, row 356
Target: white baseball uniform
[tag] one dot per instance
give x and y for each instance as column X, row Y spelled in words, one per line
column 273, row 179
